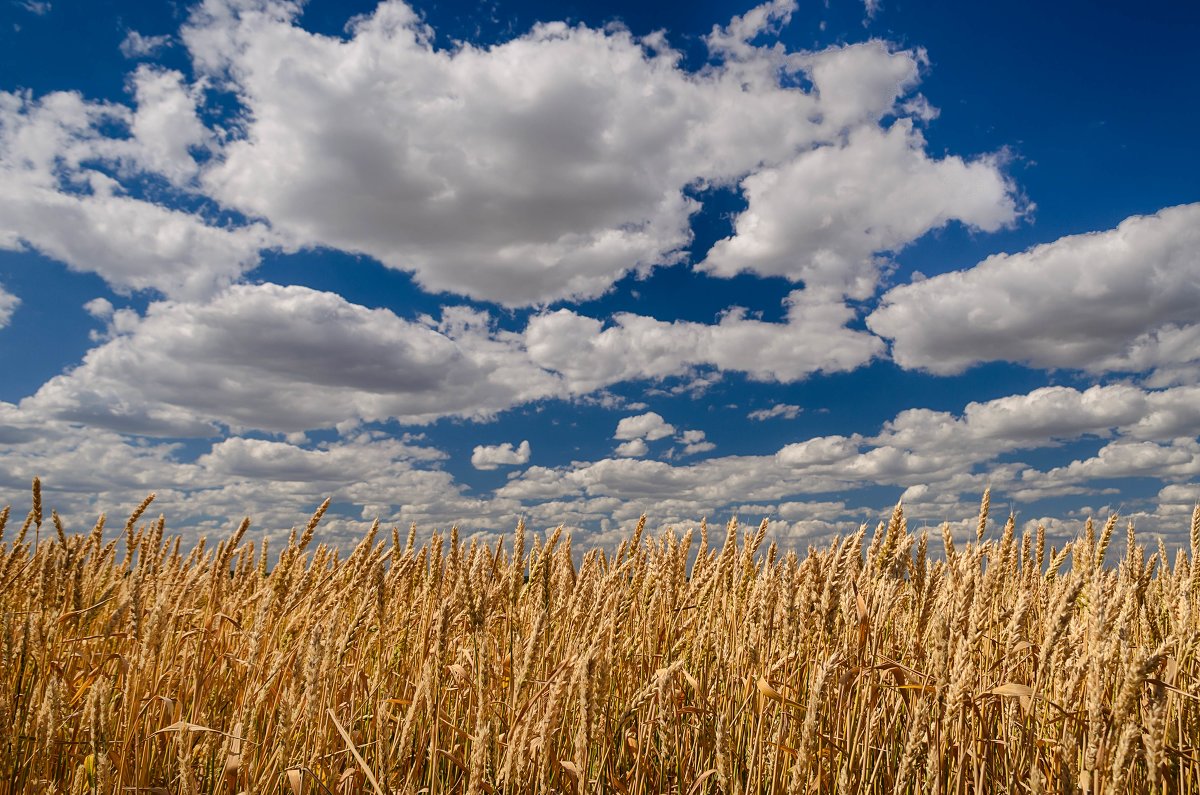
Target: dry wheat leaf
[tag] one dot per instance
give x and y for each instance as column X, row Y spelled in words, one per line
column 1010, row 689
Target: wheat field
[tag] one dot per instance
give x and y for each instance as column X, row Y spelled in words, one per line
column 684, row 663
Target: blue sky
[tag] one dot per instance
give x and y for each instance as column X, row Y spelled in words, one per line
column 464, row 262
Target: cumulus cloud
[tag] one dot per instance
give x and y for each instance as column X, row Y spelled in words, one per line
column 938, row 457
column 648, row 426
column 165, row 126
column 939, row 461
column 634, row 448
column 1153, row 435
column 694, row 442
column 54, row 200
column 540, row 168
column 1119, row 300
column 133, row 245
column 859, row 83
column 88, row 470
column 752, row 487
column 495, row 456
column 289, row 359
column 286, row 359
column 548, row 166
column 135, row 45
column 706, row 484
column 8, row 305
column 1044, row 417
column 1127, row 458
column 84, row 462
column 100, row 308
column 1123, row 459
column 814, row 338
column 824, row 217
column 1179, row 499
column 263, row 459
column 733, row 40
column 820, row 450
column 785, row 410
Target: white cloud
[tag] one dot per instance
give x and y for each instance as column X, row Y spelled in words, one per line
column 1176, row 460
column 694, row 442
column 8, row 305
column 859, row 83
column 733, row 41
column 52, row 200
column 634, row 448
column 165, row 125
column 1169, row 413
column 648, row 426
column 99, row 308
column 135, row 45
column 939, row 455
column 1044, row 417
column 625, row 487
column 824, row 217
column 1120, row 300
column 941, row 462
column 785, row 410
column 550, row 165
column 819, row 450
column 85, row 462
column 495, row 456
column 814, row 338
column 35, row 7
column 1057, row 412
column 544, row 167
column 289, row 359
column 260, row 459
column 1179, row 499
column 86, row 470
column 133, row 245
column 286, row 359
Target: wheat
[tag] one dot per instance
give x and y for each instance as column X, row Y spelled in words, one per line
column 473, row 667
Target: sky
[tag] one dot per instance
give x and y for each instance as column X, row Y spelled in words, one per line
column 462, row 263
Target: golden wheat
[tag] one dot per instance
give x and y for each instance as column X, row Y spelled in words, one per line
column 667, row 667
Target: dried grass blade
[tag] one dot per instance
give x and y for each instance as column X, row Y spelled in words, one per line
column 354, row 750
